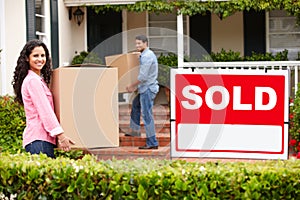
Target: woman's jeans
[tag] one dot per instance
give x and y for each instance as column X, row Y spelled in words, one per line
column 143, row 104
column 38, row 146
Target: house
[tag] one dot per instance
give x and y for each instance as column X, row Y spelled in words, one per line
column 53, row 21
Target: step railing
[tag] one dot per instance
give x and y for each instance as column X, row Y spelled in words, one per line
column 292, row 66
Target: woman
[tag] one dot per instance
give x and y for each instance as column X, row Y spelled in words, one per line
column 32, row 74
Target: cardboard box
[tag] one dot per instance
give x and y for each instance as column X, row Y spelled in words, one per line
column 128, row 68
column 86, row 104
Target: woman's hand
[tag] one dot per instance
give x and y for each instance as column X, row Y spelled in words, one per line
column 64, row 142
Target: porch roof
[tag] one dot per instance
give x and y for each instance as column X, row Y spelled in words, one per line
column 70, row 3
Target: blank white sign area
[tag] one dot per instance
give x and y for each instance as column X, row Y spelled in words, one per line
column 227, row 137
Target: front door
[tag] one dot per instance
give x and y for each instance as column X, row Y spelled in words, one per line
column 104, row 33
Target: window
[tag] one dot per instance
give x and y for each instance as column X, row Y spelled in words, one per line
column 162, row 33
column 38, row 20
column 200, row 35
column 283, row 34
column 41, row 20
column 254, row 32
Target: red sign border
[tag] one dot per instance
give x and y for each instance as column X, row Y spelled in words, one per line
column 236, row 72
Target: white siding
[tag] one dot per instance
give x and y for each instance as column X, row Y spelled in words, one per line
column 13, row 38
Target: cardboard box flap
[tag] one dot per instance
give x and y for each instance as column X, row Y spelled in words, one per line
column 84, row 65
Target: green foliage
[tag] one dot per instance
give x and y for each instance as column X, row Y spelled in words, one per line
column 294, row 126
column 12, row 124
column 39, row 177
column 226, row 56
column 170, row 61
column 192, row 7
column 73, row 154
column 280, row 56
column 165, row 63
column 86, row 57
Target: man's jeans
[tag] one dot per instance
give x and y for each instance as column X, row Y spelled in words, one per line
column 38, row 146
column 143, row 103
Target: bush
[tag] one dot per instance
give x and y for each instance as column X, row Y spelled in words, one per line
column 294, row 126
column 39, row 177
column 165, row 62
column 86, row 57
column 12, row 124
column 170, row 61
column 227, row 56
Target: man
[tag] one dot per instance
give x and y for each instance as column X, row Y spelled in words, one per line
column 147, row 86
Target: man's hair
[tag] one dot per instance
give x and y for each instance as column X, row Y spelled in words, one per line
column 143, row 38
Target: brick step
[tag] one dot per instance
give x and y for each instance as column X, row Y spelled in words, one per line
column 158, row 123
column 156, row 117
column 163, row 130
column 164, row 110
column 130, row 153
column 161, row 126
column 160, row 111
column 163, row 140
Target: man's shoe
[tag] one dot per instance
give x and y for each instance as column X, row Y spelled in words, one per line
column 148, row 147
column 133, row 134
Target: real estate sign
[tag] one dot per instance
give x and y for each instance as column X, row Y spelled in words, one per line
column 229, row 113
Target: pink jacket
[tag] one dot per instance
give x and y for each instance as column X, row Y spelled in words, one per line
column 41, row 121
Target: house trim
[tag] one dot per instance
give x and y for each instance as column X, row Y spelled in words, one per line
column 47, row 23
column 69, row 3
column 54, row 33
column 267, row 32
column 147, row 24
column 124, row 31
column 188, row 49
column 2, row 46
column 180, row 40
column 30, row 19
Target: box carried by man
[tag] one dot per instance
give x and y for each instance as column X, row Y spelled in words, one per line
column 128, row 68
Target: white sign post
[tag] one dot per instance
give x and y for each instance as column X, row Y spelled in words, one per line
column 229, row 113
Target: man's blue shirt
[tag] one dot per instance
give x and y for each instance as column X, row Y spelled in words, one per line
column 148, row 72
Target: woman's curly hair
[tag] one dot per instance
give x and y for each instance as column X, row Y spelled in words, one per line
column 22, row 67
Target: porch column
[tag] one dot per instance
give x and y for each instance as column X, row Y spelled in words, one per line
column 180, row 41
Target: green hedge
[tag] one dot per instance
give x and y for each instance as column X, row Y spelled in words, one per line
column 85, row 57
column 226, row 56
column 12, row 124
column 294, row 125
column 39, row 177
column 167, row 61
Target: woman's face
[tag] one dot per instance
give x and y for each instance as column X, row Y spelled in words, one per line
column 37, row 59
